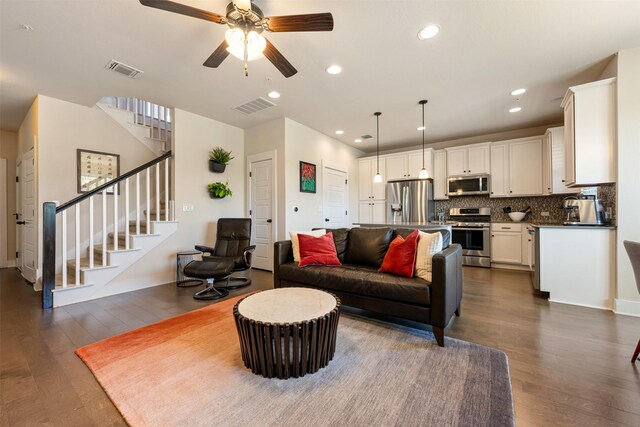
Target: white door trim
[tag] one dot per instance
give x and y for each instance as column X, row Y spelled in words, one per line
column 328, row 164
column 4, row 241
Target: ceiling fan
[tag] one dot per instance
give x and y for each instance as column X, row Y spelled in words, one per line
column 246, row 22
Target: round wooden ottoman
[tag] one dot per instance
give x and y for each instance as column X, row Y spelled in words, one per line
column 287, row 332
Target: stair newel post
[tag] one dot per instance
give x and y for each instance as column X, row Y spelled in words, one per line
column 148, row 202
column 104, row 227
column 77, row 248
column 64, row 249
column 48, row 253
column 138, row 203
column 166, row 189
column 116, row 196
column 157, row 191
column 90, row 236
column 126, row 213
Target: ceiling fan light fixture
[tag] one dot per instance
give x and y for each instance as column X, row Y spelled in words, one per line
column 255, row 44
column 244, row 5
column 428, row 32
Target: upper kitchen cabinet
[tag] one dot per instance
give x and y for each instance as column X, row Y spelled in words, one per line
column 367, row 189
column 468, row 160
column 408, row 165
column 516, row 167
column 440, row 175
column 553, row 163
column 589, row 133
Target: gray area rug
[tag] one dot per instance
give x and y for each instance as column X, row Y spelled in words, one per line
column 187, row 371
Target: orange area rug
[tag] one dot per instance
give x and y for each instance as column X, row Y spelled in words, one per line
column 187, row 371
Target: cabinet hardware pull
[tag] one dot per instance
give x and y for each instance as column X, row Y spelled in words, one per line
column 506, row 228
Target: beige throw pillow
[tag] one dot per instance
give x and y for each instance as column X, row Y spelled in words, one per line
column 428, row 245
column 295, row 244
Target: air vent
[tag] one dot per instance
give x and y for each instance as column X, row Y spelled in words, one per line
column 124, row 69
column 254, row 106
column 366, row 137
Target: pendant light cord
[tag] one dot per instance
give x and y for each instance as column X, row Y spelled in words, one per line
column 378, row 142
column 424, row 101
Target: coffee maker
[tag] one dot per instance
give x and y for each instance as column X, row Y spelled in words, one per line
column 582, row 210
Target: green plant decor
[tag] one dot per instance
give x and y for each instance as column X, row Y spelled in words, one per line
column 219, row 190
column 220, row 155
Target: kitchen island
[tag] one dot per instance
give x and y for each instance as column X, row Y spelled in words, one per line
column 418, row 225
column 576, row 264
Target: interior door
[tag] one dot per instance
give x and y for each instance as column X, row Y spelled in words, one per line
column 334, row 190
column 29, row 229
column 18, row 215
column 261, row 212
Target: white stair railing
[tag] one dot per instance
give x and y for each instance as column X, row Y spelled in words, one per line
column 145, row 113
column 102, row 196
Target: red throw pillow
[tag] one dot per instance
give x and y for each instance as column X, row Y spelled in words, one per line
column 401, row 256
column 317, row 250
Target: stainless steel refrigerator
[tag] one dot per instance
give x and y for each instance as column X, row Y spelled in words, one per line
column 410, row 200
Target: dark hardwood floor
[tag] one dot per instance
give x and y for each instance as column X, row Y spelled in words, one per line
column 569, row 365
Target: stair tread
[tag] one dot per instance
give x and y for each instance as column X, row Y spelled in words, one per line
column 84, row 265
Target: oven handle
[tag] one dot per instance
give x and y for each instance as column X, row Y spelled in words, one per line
column 469, row 228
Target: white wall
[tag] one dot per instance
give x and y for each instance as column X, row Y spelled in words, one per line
column 193, row 137
column 9, row 151
column 305, row 144
column 628, row 88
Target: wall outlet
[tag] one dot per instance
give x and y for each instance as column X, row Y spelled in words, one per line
column 187, row 207
column 544, row 213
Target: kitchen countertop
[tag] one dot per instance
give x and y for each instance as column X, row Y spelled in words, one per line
column 423, row 225
column 581, row 227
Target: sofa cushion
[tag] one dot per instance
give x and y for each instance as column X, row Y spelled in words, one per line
column 401, row 256
column 360, row 280
column 295, row 245
column 317, row 250
column 429, row 244
column 340, row 239
column 368, row 246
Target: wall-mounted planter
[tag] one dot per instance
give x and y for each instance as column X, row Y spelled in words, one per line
column 216, row 167
column 213, row 196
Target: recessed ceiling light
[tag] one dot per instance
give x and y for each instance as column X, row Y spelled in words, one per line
column 421, row 128
column 357, row 140
column 518, row 92
column 273, row 94
column 339, row 132
column 515, row 109
column 428, row 32
column 334, row 69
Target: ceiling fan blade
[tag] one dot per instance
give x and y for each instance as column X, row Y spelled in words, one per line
column 310, row 22
column 218, row 55
column 279, row 61
column 183, row 9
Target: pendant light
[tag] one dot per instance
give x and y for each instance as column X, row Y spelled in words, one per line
column 424, row 173
column 378, row 177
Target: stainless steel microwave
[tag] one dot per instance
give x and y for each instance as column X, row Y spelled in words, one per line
column 468, row 185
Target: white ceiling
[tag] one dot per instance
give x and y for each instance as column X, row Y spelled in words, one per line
column 485, row 49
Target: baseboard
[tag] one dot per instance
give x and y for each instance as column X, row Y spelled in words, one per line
column 11, row 264
column 598, row 307
column 626, row 307
column 517, row 267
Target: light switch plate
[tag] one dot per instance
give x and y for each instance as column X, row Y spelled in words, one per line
column 187, row 207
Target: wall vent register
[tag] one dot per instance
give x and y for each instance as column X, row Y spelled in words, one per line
column 254, row 106
column 124, row 69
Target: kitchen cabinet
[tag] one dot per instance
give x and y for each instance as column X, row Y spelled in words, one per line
column 506, row 243
column 553, row 166
column 528, row 246
column 440, row 175
column 408, row 165
column 468, row 160
column 372, row 212
column 516, row 168
column 367, row 189
column 590, row 133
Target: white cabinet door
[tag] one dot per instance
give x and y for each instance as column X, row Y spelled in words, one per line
column 396, row 166
column 569, row 148
column 414, row 161
column 378, row 189
column 365, row 179
column 478, row 159
column 528, row 252
column 557, row 162
column 499, row 170
column 506, row 247
column 440, row 175
column 456, row 161
column 378, row 209
column 364, row 212
column 547, row 178
column 525, row 167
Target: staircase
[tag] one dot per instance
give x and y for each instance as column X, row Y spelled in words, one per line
column 149, row 123
column 121, row 230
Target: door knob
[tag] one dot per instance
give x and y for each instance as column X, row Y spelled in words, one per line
column 326, row 220
column 269, row 221
column 21, row 222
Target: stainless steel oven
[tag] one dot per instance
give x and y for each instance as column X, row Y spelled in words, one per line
column 471, row 228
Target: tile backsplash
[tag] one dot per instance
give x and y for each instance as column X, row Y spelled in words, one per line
column 551, row 204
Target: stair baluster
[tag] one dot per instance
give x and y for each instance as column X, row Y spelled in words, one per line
column 64, row 249
column 116, row 216
column 90, row 234
column 76, row 277
column 166, row 190
column 148, row 204
column 137, row 203
column 126, row 213
column 158, row 192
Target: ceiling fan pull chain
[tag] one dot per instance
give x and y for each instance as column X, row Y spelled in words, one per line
column 246, row 53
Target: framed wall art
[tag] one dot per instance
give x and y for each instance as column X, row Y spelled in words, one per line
column 307, row 177
column 96, row 168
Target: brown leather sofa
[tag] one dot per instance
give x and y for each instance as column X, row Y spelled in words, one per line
column 359, row 284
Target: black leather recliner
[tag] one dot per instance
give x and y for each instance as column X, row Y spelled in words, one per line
column 232, row 253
